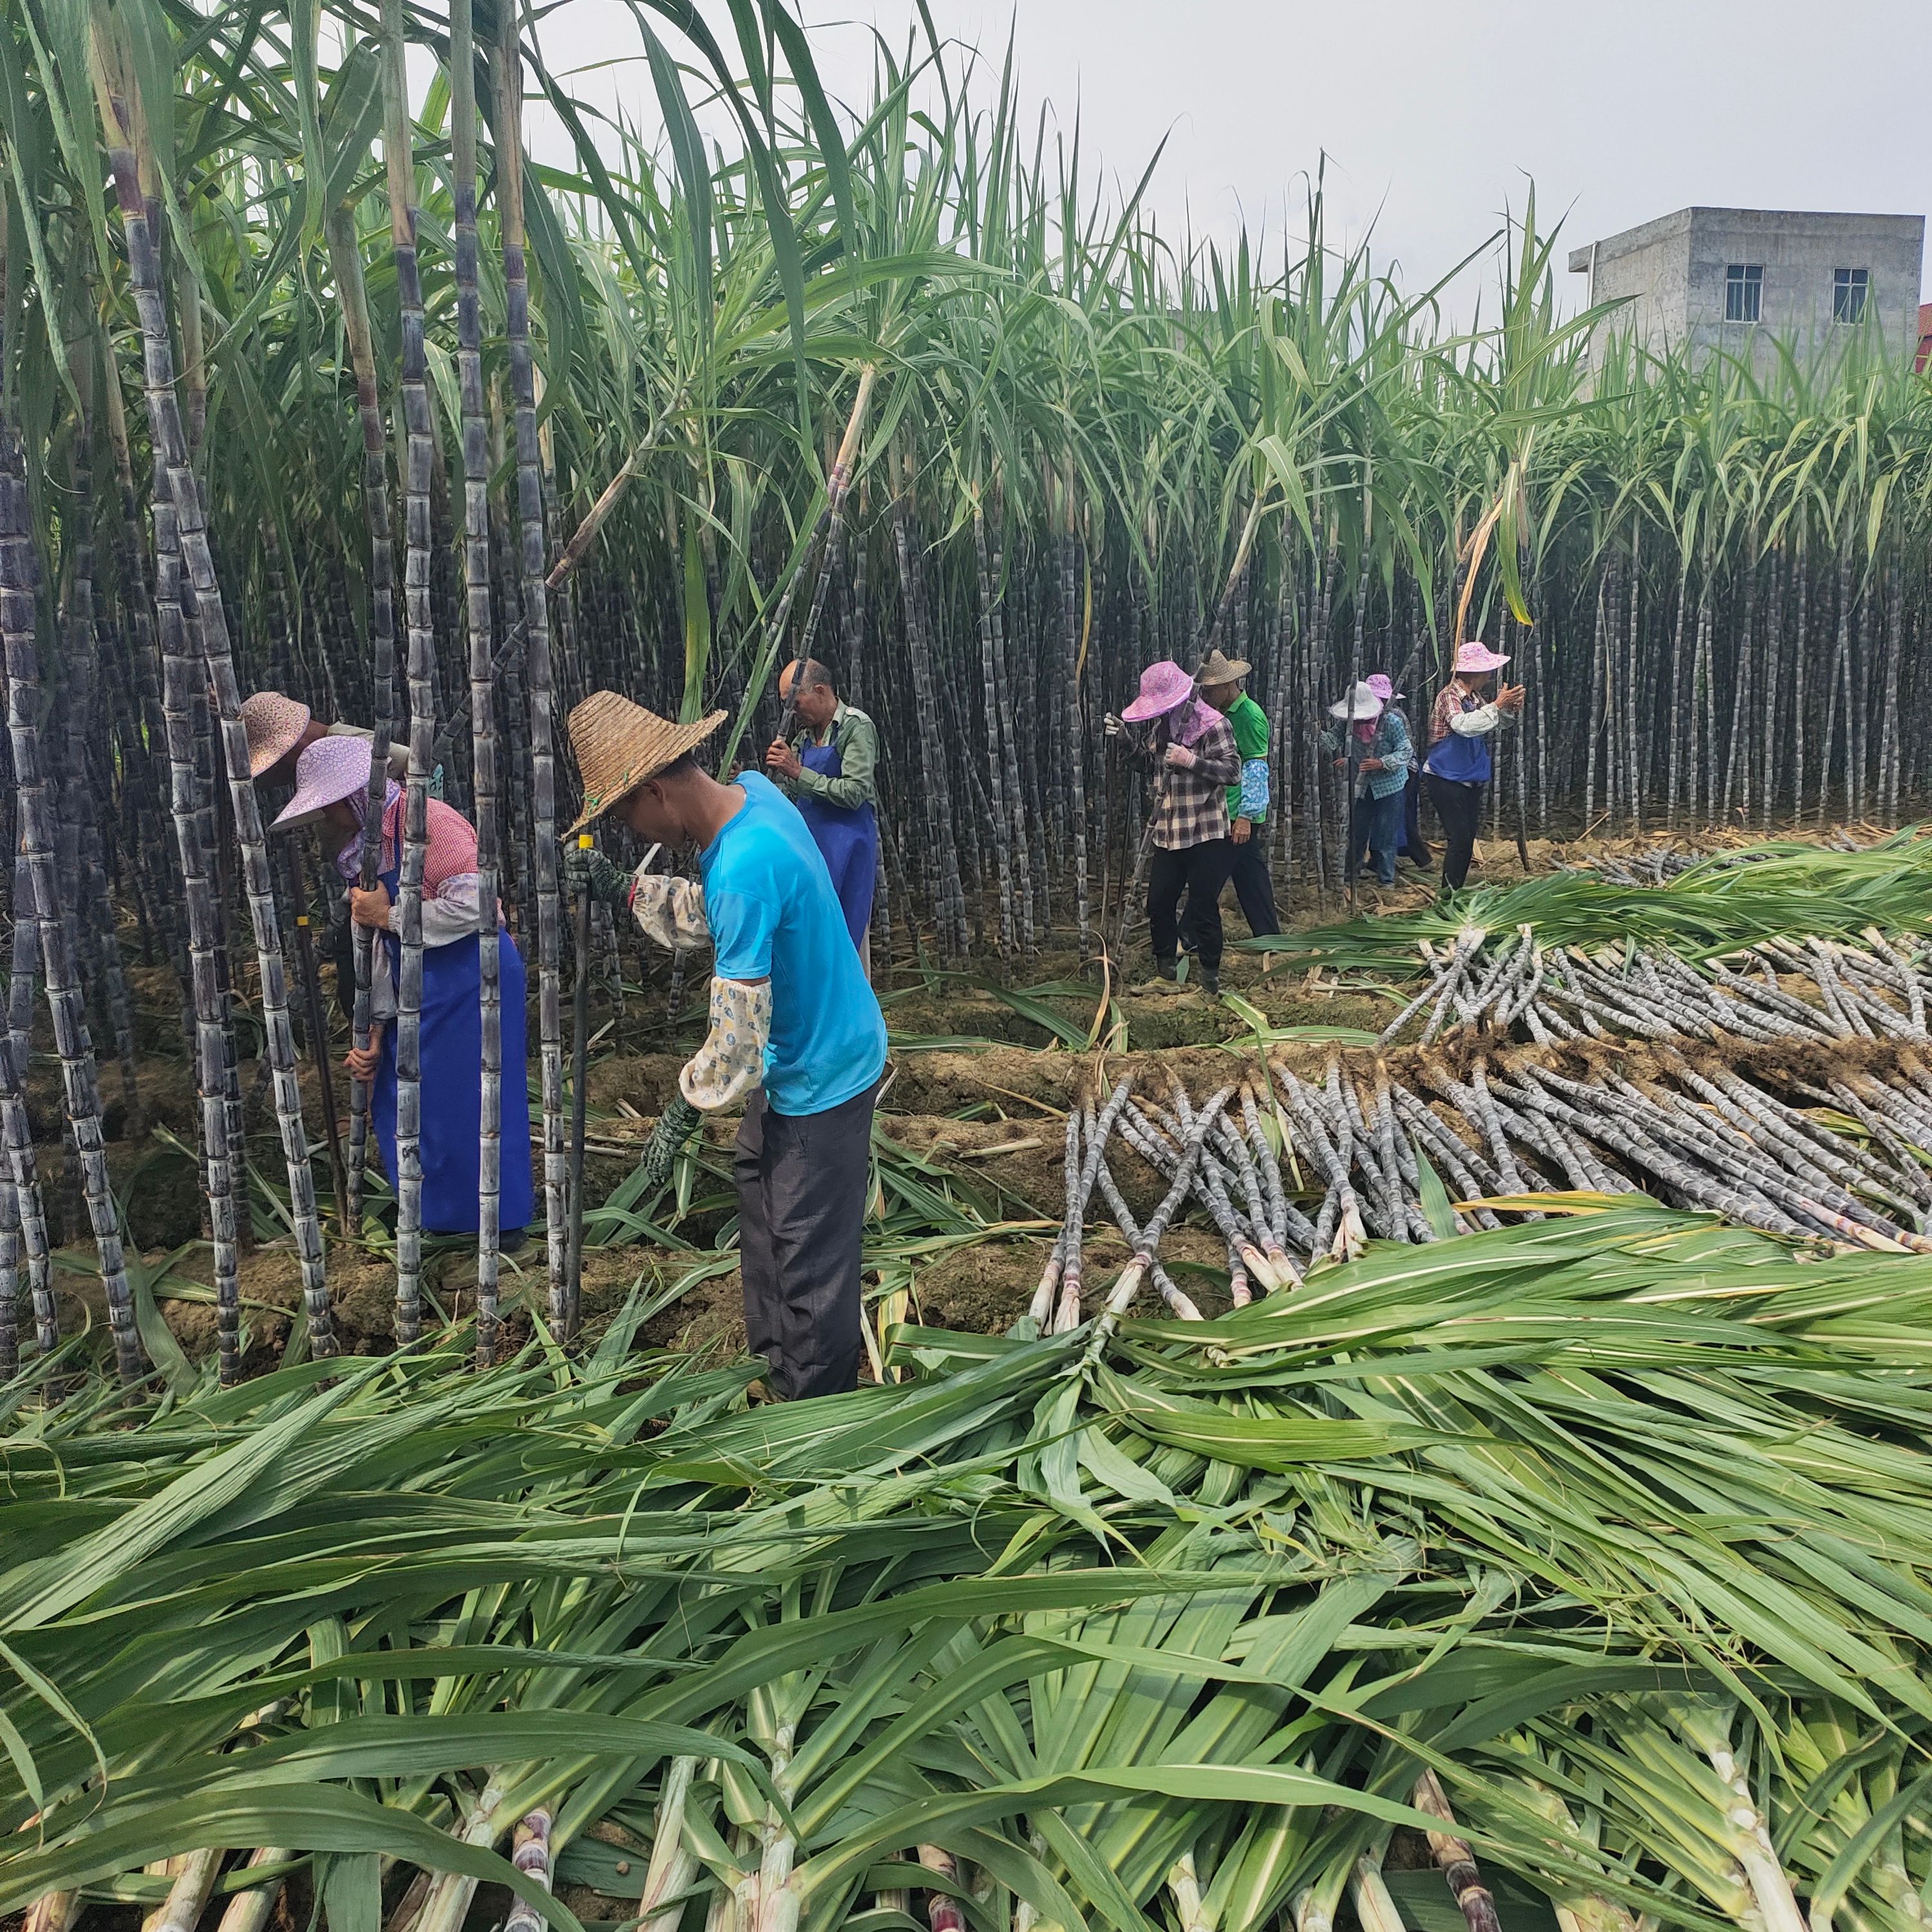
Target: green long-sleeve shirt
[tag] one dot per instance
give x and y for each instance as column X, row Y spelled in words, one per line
column 856, row 738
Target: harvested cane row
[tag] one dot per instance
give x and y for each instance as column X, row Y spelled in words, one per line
column 1810, row 1147
column 1780, row 989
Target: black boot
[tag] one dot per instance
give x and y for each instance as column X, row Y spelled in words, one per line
column 1210, row 983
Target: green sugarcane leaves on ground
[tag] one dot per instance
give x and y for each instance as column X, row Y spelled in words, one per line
column 1606, row 1520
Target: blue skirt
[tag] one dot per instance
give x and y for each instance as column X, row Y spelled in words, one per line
column 452, row 1090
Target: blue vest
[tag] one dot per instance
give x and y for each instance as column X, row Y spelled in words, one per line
column 1462, row 760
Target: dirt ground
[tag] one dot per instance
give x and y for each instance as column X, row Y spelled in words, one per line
column 977, row 1089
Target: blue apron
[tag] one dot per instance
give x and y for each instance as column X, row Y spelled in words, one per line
column 846, row 837
column 451, row 1060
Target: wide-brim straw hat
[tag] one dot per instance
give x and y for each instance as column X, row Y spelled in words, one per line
column 274, row 724
column 1360, row 706
column 329, row 771
column 1473, row 655
column 1215, row 669
column 619, row 745
column 1164, row 686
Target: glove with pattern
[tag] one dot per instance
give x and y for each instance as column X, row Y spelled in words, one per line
column 585, row 868
column 661, row 1151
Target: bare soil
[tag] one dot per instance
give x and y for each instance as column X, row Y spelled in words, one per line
column 988, row 1106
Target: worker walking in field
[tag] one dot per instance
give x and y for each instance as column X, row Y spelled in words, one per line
column 1457, row 769
column 1220, row 681
column 796, row 1036
column 829, row 770
column 1382, row 755
column 1192, row 748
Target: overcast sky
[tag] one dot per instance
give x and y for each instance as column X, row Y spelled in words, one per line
column 1434, row 117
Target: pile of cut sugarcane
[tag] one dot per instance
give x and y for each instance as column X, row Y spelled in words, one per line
column 1416, row 1146
column 1780, row 989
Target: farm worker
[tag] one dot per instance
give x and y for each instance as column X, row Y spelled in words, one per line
column 1383, row 756
column 796, row 1034
column 1412, row 845
column 331, row 792
column 1195, row 758
column 280, row 729
column 1220, row 680
column 828, row 769
column 1457, row 768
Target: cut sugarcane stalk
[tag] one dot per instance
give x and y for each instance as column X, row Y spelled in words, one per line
column 530, row 1855
column 248, row 1911
column 1453, row 1858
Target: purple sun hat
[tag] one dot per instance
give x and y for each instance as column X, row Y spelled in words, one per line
column 329, row 771
column 1382, row 685
column 1165, row 686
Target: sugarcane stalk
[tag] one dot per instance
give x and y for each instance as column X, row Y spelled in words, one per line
column 345, row 257
column 1453, row 1858
column 672, row 1863
column 419, row 458
column 19, row 584
column 943, row 1913
column 530, row 1855
column 537, row 666
column 188, row 1896
column 249, row 1911
column 476, row 467
column 579, row 1071
column 115, row 89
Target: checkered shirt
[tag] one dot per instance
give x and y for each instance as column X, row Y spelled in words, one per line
column 1193, row 806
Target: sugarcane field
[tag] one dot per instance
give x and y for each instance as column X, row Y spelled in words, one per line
column 891, row 1049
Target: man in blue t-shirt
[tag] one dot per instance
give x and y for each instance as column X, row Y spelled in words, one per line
column 796, row 1033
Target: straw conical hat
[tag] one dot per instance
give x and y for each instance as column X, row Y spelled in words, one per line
column 1215, row 669
column 619, row 745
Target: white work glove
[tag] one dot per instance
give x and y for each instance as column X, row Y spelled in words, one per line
column 1180, row 757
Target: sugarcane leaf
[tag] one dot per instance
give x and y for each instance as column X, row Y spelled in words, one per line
column 1437, row 1208
column 352, row 1892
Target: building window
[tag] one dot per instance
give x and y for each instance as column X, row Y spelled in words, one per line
column 1744, row 291
column 1848, row 294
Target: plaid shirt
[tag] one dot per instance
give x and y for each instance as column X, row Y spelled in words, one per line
column 1193, row 804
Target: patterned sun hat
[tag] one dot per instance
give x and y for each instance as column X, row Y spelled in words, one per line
column 1164, row 686
column 1474, row 655
column 619, row 745
column 330, row 770
column 275, row 725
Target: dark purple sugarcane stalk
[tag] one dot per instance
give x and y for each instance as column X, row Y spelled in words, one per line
column 18, row 590
column 166, row 434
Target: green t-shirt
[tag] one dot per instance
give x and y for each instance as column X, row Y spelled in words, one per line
column 1251, row 740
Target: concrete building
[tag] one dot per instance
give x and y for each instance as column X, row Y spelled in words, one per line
column 1735, row 278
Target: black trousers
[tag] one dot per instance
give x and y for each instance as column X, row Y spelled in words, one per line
column 1414, row 845
column 1249, row 875
column 1200, row 871
column 802, row 1180
column 1460, row 809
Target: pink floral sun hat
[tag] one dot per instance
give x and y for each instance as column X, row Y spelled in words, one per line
column 1165, row 686
column 275, row 725
column 1383, row 686
column 330, row 770
column 1475, row 655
